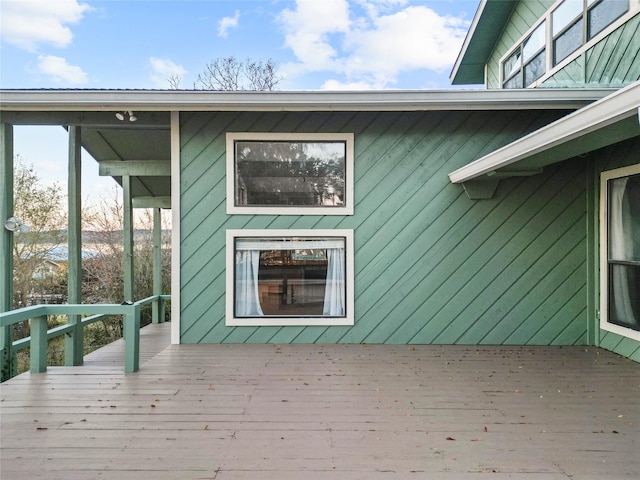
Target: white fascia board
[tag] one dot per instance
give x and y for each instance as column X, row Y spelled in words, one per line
column 387, row 100
column 607, row 111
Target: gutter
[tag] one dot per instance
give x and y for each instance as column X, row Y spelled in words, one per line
column 388, row 100
column 609, row 110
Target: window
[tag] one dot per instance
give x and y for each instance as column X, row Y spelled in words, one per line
column 620, row 252
column 567, row 42
column 528, row 62
column 604, row 13
column 570, row 18
column 289, row 174
column 572, row 24
column 289, row 277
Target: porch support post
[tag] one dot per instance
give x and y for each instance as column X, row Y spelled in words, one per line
column 73, row 350
column 6, row 246
column 157, row 312
column 127, row 210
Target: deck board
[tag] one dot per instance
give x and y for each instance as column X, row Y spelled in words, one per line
column 325, row 412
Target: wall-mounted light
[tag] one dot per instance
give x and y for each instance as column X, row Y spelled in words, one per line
column 126, row 114
column 15, row 225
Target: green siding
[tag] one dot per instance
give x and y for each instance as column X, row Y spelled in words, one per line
column 612, row 62
column 431, row 265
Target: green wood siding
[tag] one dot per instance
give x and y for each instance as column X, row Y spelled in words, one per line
column 431, row 265
column 523, row 17
column 612, row 62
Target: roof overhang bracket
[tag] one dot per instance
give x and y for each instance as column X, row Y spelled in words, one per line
column 481, row 189
column 500, row 174
column 485, row 187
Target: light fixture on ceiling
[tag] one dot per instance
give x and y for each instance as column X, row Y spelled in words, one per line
column 122, row 115
column 15, row 225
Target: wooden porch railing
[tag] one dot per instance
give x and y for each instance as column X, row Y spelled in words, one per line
column 40, row 334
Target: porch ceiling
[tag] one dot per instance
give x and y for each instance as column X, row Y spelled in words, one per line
column 141, row 149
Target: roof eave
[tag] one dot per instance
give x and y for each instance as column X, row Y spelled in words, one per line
column 486, row 27
column 388, row 100
column 614, row 108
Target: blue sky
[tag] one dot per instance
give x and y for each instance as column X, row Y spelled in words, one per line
column 318, row 44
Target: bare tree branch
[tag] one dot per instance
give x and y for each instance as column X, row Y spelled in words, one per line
column 230, row 74
column 174, row 81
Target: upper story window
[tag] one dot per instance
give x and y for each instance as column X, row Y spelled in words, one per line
column 571, row 24
column 290, row 174
column 577, row 21
column 528, row 62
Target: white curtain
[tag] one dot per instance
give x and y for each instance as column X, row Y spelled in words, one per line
column 248, row 261
column 620, row 248
column 334, row 294
column 247, row 299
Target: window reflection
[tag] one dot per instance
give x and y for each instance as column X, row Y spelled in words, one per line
column 282, row 173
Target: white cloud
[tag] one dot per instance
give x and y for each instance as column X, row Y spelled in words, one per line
column 162, row 69
column 29, row 23
column 60, row 71
column 227, row 23
column 375, row 7
column 308, row 30
column 372, row 46
column 360, row 85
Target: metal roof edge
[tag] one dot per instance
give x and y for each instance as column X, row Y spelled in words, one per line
column 390, row 100
column 622, row 104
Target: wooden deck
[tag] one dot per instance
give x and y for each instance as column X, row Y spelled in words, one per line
column 326, row 412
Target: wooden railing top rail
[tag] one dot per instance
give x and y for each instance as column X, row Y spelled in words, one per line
column 37, row 315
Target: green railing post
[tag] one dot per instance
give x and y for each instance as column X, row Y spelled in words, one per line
column 162, row 309
column 38, row 354
column 132, row 339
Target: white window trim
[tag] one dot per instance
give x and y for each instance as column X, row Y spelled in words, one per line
column 634, row 9
column 233, row 321
column 604, row 268
column 232, row 209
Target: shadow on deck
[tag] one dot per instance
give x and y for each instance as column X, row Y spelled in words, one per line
column 327, row 412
